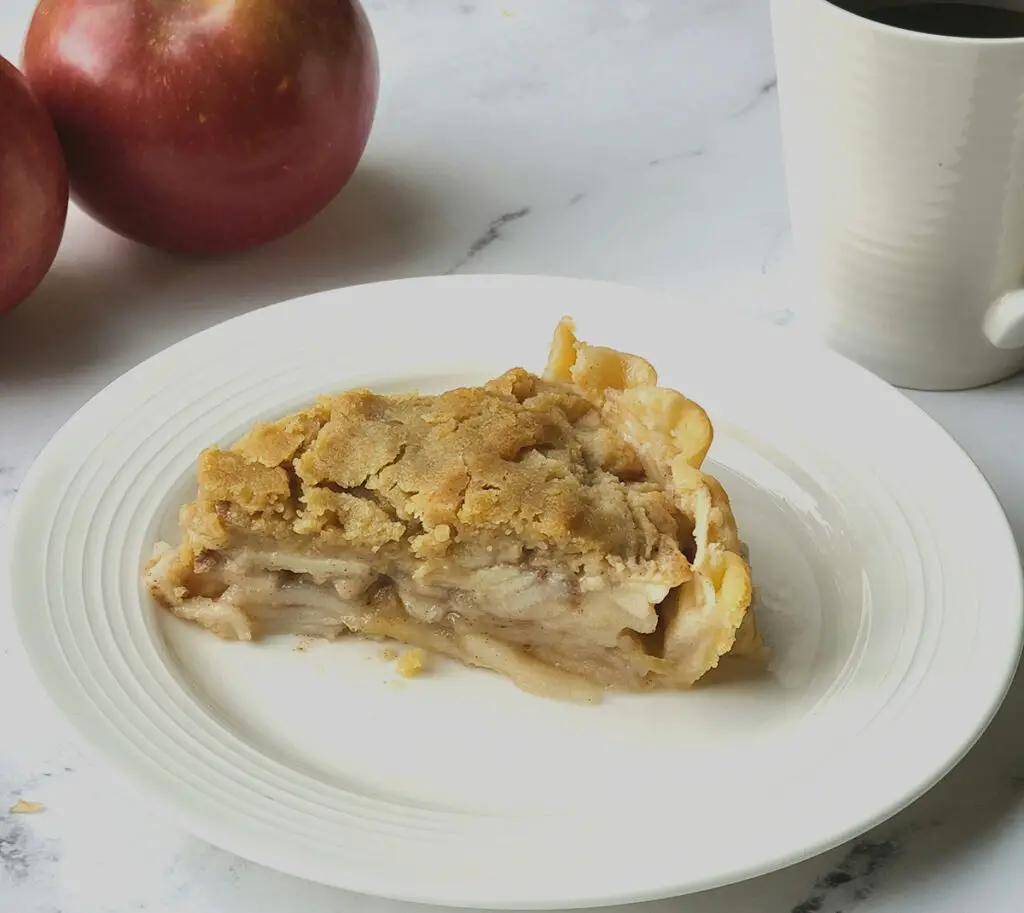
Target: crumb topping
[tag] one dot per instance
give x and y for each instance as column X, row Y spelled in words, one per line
column 519, row 457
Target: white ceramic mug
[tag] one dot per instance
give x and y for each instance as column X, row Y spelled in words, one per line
column 904, row 159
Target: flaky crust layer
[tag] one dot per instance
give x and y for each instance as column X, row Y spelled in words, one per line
column 672, row 435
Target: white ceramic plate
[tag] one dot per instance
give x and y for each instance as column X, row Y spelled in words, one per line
column 891, row 592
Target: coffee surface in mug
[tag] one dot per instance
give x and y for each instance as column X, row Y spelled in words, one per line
column 936, row 17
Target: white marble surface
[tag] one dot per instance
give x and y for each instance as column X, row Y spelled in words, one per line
column 617, row 139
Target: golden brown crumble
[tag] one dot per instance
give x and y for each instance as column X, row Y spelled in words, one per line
column 519, row 457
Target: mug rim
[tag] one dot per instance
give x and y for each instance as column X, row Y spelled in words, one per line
column 927, row 37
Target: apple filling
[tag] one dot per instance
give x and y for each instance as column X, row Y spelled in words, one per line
column 529, row 621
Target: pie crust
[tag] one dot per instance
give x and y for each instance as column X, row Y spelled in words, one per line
column 555, row 529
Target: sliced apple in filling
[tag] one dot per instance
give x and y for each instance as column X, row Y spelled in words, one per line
column 555, row 529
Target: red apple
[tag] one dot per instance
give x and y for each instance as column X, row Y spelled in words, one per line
column 33, row 189
column 205, row 126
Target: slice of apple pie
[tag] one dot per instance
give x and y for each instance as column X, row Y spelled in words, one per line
column 555, row 529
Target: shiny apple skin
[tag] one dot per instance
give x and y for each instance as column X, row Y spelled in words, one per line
column 205, row 126
column 33, row 189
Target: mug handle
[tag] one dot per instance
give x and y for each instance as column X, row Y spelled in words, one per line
column 1004, row 321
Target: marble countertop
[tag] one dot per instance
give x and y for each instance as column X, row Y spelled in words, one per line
column 632, row 140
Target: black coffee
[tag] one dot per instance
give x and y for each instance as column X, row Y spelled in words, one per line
column 960, row 20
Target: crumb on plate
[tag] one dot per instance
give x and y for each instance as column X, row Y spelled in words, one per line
column 412, row 662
